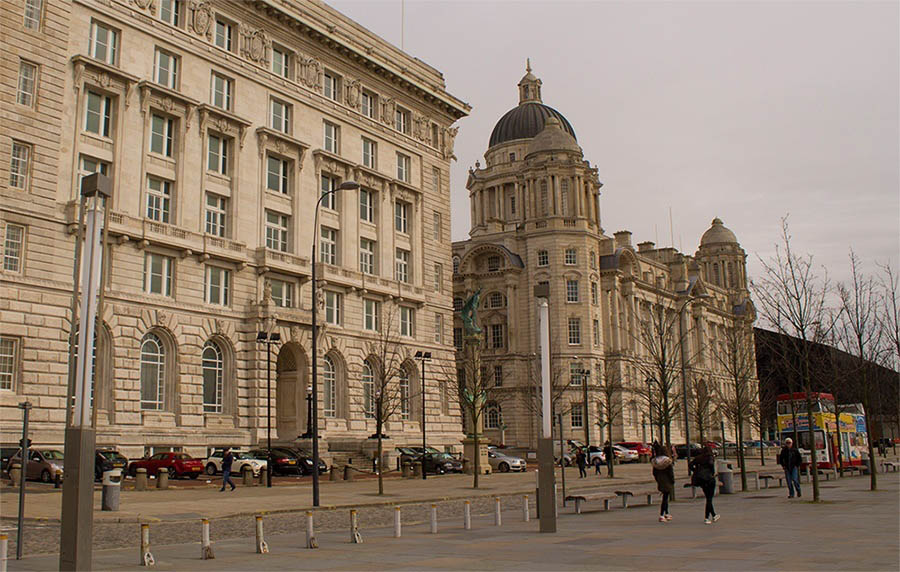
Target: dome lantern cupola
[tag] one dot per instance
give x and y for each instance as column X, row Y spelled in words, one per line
column 529, row 86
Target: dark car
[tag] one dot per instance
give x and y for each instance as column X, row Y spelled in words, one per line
column 107, row 460
column 6, row 453
column 283, row 462
column 304, row 459
column 441, row 463
column 178, row 465
column 695, row 450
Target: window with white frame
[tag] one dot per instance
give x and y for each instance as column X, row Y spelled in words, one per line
column 216, row 214
column 277, row 170
column 329, row 382
column 407, row 321
column 158, row 274
column 403, row 167
column 33, row 13
column 572, row 294
column 401, row 217
column 162, row 135
column 366, row 256
column 13, row 247
column 331, row 140
column 280, row 116
column 104, row 43
column 334, row 302
column 153, row 373
column 596, row 332
column 28, row 73
column 438, row 277
column 166, row 69
column 328, row 185
column 369, row 153
column 438, row 328
column 170, row 12
column 328, row 246
column 224, row 34
column 98, row 114
column 403, row 381
column 402, row 120
column 595, row 294
column 574, row 331
column 217, row 154
column 332, row 86
column 498, row 376
column 366, row 205
column 282, row 292
column 401, row 267
column 437, row 226
column 543, row 258
column 222, row 90
column 19, row 165
column 9, row 363
column 575, row 373
column 371, row 315
column 218, row 285
column 498, row 337
column 281, row 61
column 368, row 386
column 89, row 165
column 213, row 366
column 369, row 102
column 277, row 231
column 571, row 256
column 159, row 199
column 576, row 416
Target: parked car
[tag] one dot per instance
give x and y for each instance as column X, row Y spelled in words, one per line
column 304, row 460
column 682, row 450
column 42, row 463
column 504, row 463
column 178, row 465
column 440, row 463
column 107, row 459
column 6, row 453
column 283, row 463
column 627, row 455
column 241, row 459
column 637, row 446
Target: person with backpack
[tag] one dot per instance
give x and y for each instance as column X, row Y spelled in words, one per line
column 790, row 460
column 703, row 475
column 664, row 473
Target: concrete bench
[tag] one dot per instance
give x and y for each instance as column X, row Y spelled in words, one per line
column 853, row 469
column 828, row 473
column 889, row 465
column 766, row 478
column 590, row 497
column 626, row 494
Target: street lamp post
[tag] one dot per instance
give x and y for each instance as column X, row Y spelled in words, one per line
column 268, row 339
column 345, row 186
column 585, row 378
column 684, row 391
column 423, row 357
column 308, row 434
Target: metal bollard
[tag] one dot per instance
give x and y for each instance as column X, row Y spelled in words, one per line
column 467, row 516
column 4, row 549
column 355, row 536
column 396, row 522
column 433, row 518
column 526, row 516
column 206, row 551
column 162, row 478
column 261, row 546
column 146, row 557
column 57, row 480
column 247, row 476
column 497, row 518
column 311, row 541
column 15, row 474
column 140, row 480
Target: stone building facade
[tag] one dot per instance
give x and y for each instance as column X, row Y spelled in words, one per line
column 219, row 124
column 535, row 220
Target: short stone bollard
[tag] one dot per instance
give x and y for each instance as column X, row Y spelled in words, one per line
column 467, row 466
column 146, row 557
column 526, row 510
column 333, row 474
column 348, row 473
column 261, row 546
column 206, row 551
column 467, row 516
column 433, row 518
column 498, row 520
column 140, row 480
column 263, row 472
column 247, row 476
column 355, row 536
column 404, row 469
column 4, row 550
column 15, row 474
column 311, row 541
column 417, row 469
column 396, row 522
column 162, row 478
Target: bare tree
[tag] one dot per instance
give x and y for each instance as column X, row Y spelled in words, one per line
column 889, row 316
column 609, row 400
column 473, row 384
column 793, row 300
column 702, row 400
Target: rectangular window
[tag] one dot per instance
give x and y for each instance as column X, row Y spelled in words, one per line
column 575, row 373
column 159, row 199
column 331, row 88
column 369, row 102
column 512, row 205
column 407, row 320
column 13, row 248
column 543, row 258
column 401, row 268
column 595, row 296
column 280, row 116
column 564, row 197
column 369, row 153
column 438, row 328
column 162, row 135
column 576, row 416
column 458, row 338
column 281, row 62
column 33, row 9
column 9, row 360
column 224, row 37
column 276, row 231
column 436, row 180
column 596, row 332
column 217, row 157
column 333, row 303
column 372, row 315
column 19, row 165
column 437, row 227
column 498, row 376
column 401, row 217
column 222, row 91
column 218, row 285
column 366, row 256
column 104, row 43
column 89, row 165
column 438, row 277
column 571, row 256
column 27, row 81
column 574, row 331
column 332, row 133
column 403, row 167
column 98, row 114
column 328, row 185
column 401, row 120
column 328, row 246
column 158, row 270
column 282, row 293
column 497, row 336
column 277, row 170
column 367, row 205
column 216, row 209
column 572, row 291
column 166, row 69
column 545, row 198
column 170, row 12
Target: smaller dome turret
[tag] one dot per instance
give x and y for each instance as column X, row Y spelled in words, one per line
column 529, row 86
column 718, row 233
column 552, row 138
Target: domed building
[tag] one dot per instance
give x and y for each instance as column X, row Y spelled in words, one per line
column 535, row 222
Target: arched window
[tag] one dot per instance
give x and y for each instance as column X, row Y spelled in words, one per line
column 329, row 387
column 368, row 384
column 213, row 375
column 493, row 417
column 153, row 373
column 404, row 394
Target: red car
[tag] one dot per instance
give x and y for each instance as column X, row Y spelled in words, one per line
column 641, row 448
column 178, row 465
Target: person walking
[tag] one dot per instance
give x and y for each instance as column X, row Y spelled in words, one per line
column 790, row 460
column 581, row 461
column 664, row 473
column 703, row 475
column 227, row 460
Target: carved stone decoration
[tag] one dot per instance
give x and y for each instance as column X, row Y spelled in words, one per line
column 145, row 99
column 201, row 18
column 388, row 107
column 255, row 46
column 189, row 116
column 310, row 72
column 79, row 75
column 162, row 318
column 220, row 327
column 129, row 93
column 242, row 135
column 420, row 126
column 280, row 146
column 263, row 139
column 449, row 140
column 145, row 5
column 103, row 79
column 352, row 91
column 267, row 293
column 295, row 334
column 168, row 104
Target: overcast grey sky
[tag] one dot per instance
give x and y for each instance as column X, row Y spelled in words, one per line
column 743, row 110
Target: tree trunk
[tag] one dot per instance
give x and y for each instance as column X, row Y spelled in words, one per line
column 840, row 452
column 666, row 420
column 380, row 455
column 762, row 454
column 476, row 463
column 610, row 459
column 740, row 448
column 813, row 458
column 873, row 479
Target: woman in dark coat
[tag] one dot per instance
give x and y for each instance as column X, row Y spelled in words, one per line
column 703, row 471
column 664, row 473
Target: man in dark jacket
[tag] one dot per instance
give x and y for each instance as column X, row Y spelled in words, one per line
column 790, row 460
column 227, row 460
column 664, row 474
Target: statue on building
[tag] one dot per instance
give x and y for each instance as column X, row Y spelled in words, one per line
column 469, row 314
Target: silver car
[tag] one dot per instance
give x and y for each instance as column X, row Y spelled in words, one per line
column 505, row 463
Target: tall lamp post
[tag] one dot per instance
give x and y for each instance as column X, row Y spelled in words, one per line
column 684, row 391
column 423, row 357
column 268, row 339
column 585, row 378
column 345, row 186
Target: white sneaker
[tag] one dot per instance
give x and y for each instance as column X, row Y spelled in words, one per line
column 668, row 517
column 707, row 521
column 662, row 519
column 716, row 518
